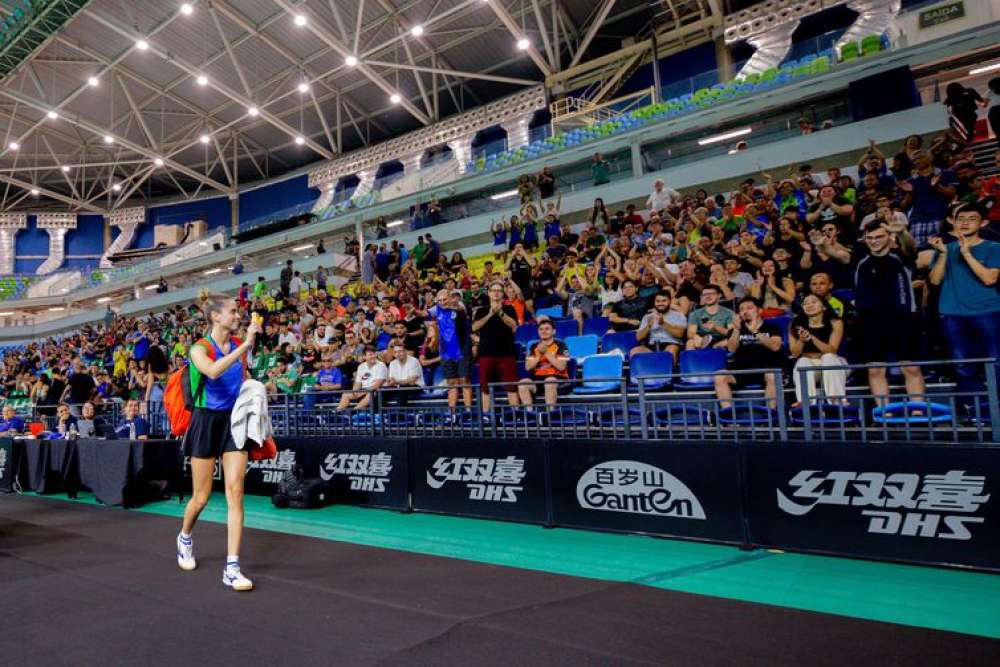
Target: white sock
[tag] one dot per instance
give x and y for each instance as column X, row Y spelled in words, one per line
column 232, row 562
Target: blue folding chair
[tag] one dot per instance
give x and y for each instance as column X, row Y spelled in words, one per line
column 783, row 322
column 566, row 327
column 693, row 362
column 622, row 341
column 596, row 325
column 602, row 373
column 656, row 365
column 553, row 312
column 581, row 346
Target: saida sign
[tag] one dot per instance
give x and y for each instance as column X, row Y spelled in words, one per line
column 942, row 14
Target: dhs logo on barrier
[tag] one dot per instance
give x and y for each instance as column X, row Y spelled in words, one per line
column 273, row 470
column 493, row 480
column 366, row 472
column 942, row 505
column 637, row 488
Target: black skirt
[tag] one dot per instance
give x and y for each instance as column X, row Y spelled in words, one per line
column 209, row 434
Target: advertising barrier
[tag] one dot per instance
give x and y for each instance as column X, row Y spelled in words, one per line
column 7, row 468
column 682, row 490
column 497, row 479
column 927, row 504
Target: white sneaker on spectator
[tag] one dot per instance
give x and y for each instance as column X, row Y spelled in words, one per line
column 185, row 554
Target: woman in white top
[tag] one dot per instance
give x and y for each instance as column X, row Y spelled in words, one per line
column 662, row 196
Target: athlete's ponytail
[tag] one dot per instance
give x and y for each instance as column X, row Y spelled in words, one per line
column 209, row 303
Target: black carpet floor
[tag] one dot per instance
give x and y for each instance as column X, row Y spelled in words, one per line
column 84, row 585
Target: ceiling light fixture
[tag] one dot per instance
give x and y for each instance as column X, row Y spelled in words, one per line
column 724, row 136
column 417, row 30
column 523, row 44
column 65, row 169
column 299, row 140
column 186, row 9
column 142, row 45
column 300, row 20
column 395, row 98
column 92, row 82
column 303, row 87
column 117, row 187
column 202, row 80
column 108, row 139
column 984, row 69
column 14, row 145
column 204, row 139
column 52, row 115
column 351, row 61
column 252, row 111
column 34, row 192
column 158, row 162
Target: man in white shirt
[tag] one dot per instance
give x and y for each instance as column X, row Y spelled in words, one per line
column 662, row 196
column 285, row 335
column 322, row 336
column 369, row 377
column 405, row 375
column 295, row 286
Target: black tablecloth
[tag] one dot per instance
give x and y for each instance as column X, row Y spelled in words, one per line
column 106, row 467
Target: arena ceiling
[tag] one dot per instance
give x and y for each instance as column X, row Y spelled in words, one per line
column 140, row 99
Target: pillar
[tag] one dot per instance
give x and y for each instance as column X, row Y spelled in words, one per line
column 461, row 149
column 367, row 180
column 517, row 131
column 723, row 59
column 234, row 213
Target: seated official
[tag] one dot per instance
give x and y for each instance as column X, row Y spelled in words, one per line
column 11, row 424
column 133, row 426
column 88, row 424
column 66, row 423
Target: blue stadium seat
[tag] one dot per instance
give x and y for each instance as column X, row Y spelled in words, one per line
column 700, row 361
column 562, row 416
column 602, row 373
column 382, row 341
column 753, row 414
column 651, row 364
column 436, row 388
column 679, row 414
column 581, row 346
column 783, row 322
column 901, row 412
column 566, row 327
column 596, row 325
column 621, row 340
column 525, row 333
column 553, row 312
column 826, row 413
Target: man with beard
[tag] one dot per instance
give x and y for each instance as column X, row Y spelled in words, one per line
column 662, row 328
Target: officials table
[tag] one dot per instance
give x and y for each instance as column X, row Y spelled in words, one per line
column 107, row 467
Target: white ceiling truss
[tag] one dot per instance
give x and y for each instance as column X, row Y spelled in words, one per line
column 236, row 91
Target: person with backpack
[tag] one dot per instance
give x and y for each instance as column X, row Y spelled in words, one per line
column 216, row 370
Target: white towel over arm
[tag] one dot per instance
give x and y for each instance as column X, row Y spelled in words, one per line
column 250, row 420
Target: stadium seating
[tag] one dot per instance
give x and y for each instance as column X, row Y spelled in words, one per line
column 651, row 369
column 602, row 373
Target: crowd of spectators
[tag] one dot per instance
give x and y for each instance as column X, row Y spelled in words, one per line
column 897, row 263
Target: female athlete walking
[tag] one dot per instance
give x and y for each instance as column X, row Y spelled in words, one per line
column 216, row 369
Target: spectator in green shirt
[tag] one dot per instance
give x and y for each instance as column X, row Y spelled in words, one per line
column 260, row 288
column 600, row 170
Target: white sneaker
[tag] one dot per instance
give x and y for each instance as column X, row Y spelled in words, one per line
column 185, row 555
column 233, row 578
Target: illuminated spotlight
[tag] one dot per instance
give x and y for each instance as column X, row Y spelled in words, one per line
column 116, row 187
column 34, row 192
column 299, row 140
column 523, row 44
column 108, row 139
column 417, row 30
column 351, row 61
column 52, row 115
column 202, row 80
column 204, row 139
column 395, row 223
column 300, row 20
column 303, row 87
column 186, row 9
column 14, row 145
column 395, row 98
column 65, row 169
column 56, row 309
column 142, row 45
column 104, row 299
column 158, row 162
column 724, row 136
column 93, row 82
column 504, row 195
column 252, row 111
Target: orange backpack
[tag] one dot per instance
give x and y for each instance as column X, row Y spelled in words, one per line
column 178, row 400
